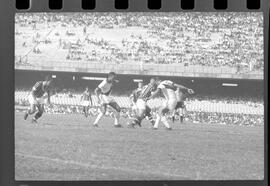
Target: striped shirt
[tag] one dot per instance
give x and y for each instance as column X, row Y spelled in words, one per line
column 146, row 91
column 38, row 89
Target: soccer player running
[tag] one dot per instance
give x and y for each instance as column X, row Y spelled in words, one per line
column 181, row 95
column 143, row 109
column 103, row 92
column 167, row 88
column 86, row 100
column 36, row 98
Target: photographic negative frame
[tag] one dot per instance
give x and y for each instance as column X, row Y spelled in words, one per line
column 8, row 73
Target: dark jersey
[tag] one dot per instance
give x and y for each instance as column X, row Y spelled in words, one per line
column 146, row 91
column 38, row 89
column 86, row 96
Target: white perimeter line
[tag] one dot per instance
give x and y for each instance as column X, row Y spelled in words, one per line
column 86, row 165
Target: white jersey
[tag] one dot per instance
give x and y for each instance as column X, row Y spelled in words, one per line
column 105, row 87
column 168, row 89
column 179, row 95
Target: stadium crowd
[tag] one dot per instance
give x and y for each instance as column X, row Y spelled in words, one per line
column 232, row 40
column 225, row 118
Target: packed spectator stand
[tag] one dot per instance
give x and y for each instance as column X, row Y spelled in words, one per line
column 230, row 40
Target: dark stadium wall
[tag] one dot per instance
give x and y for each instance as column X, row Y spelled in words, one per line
column 203, row 86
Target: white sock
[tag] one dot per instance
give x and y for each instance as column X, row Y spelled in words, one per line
column 116, row 118
column 157, row 121
column 165, row 122
column 98, row 118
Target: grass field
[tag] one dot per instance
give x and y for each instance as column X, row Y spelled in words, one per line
column 67, row 147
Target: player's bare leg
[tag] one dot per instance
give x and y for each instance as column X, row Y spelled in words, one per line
column 184, row 112
column 181, row 115
column 102, row 112
column 85, row 111
column 116, row 111
column 38, row 114
column 31, row 110
column 149, row 115
column 138, row 118
column 161, row 117
column 173, row 116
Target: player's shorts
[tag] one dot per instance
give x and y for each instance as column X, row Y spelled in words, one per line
column 141, row 104
column 170, row 104
column 180, row 104
column 134, row 108
column 105, row 99
column 85, row 103
column 37, row 101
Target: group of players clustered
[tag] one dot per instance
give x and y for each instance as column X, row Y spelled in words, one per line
column 173, row 93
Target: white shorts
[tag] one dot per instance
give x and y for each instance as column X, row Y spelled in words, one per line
column 141, row 104
column 134, row 107
column 105, row 99
column 85, row 103
column 35, row 101
column 170, row 104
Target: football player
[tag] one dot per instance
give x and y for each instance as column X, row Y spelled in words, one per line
column 39, row 93
column 181, row 95
column 143, row 110
column 103, row 92
column 167, row 88
column 86, row 100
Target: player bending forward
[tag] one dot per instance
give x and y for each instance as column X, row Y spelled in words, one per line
column 143, row 110
column 86, row 100
column 103, row 92
column 36, row 98
column 167, row 88
column 181, row 95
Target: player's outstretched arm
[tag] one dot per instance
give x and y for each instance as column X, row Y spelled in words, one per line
column 181, row 87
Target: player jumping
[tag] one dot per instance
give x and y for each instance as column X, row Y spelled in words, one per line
column 143, row 110
column 36, row 98
column 86, row 100
column 103, row 92
column 167, row 88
